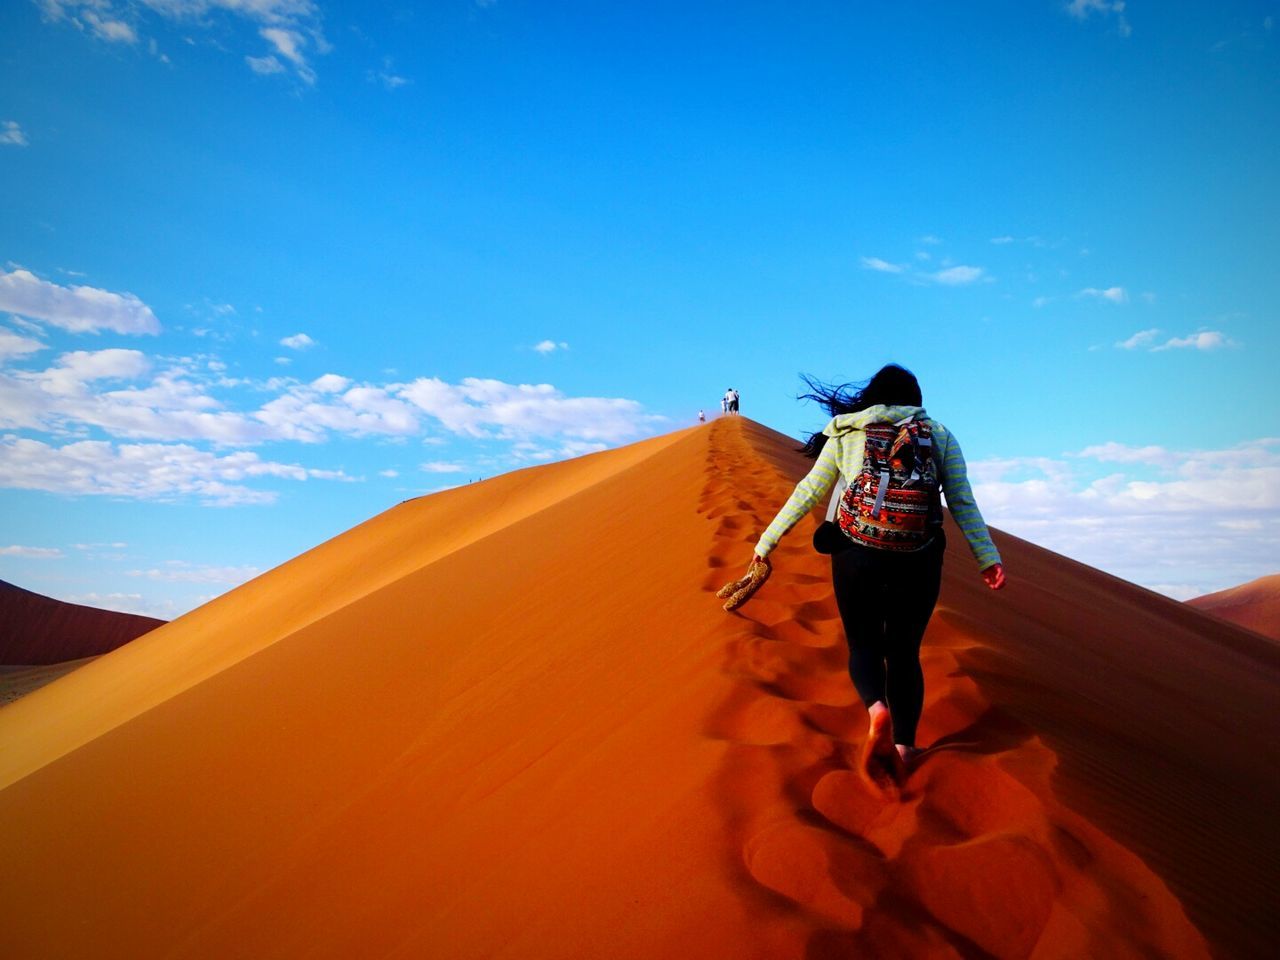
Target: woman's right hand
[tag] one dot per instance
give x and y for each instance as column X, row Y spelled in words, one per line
column 737, row 592
column 994, row 575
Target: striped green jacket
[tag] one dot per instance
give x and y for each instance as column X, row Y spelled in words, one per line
column 842, row 454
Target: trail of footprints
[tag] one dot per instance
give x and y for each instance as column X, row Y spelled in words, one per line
column 964, row 860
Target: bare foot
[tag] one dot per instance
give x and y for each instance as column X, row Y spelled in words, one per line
column 880, row 758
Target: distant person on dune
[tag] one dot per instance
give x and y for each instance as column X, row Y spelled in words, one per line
column 730, row 401
column 702, row 417
column 890, row 463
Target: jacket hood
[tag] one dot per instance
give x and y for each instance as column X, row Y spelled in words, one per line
column 880, row 413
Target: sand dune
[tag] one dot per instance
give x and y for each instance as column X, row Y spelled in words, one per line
column 39, row 630
column 1254, row 605
column 511, row 720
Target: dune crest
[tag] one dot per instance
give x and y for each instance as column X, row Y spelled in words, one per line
column 1254, row 605
column 512, row 720
column 36, row 630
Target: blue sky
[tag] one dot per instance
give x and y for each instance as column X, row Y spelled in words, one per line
column 269, row 267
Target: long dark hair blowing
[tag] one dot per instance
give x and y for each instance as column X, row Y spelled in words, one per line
column 892, row 385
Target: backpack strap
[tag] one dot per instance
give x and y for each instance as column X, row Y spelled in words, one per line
column 837, row 494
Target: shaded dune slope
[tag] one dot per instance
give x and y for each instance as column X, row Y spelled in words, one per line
column 36, row 630
column 1254, row 605
column 509, row 720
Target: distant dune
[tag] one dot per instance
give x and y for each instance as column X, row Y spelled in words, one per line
column 511, row 720
column 38, row 630
column 1254, row 605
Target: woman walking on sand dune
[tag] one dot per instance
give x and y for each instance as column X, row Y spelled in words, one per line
column 890, row 463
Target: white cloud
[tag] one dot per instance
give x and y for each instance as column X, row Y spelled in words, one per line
column 330, row 383
column 13, row 345
column 299, row 341
column 550, row 346
column 1143, row 338
column 440, row 466
column 389, row 473
column 77, row 309
column 289, row 44
column 1110, row 294
column 958, row 276
column 70, row 395
column 930, row 239
column 11, row 134
column 1202, row 340
column 143, row 471
column 1039, row 302
column 490, row 408
column 1113, row 452
column 386, row 76
column 36, row 553
column 882, row 266
column 291, row 27
column 264, row 65
column 130, row 397
column 307, row 414
column 113, row 31
column 1081, row 9
column 1215, row 513
column 178, row 571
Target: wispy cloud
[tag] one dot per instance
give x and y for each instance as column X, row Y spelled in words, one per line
column 958, row 275
column 78, row 309
column 291, row 28
column 440, row 466
column 1110, row 294
column 11, row 134
column 35, row 553
column 108, row 28
column 1083, row 9
column 387, row 76
column 299, row 341
column 1143, row 338
column 264, row 65
column 881, row 266
column 491, row 408
column 950, row 275
column 142, row 471
column 1200, row 340
column 1006, row 240
column 545, row 347
column 179, row 571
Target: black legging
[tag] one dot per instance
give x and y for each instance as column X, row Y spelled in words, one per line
column 885, row 601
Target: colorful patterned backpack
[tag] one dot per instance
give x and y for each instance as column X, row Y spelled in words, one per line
column 894, row 502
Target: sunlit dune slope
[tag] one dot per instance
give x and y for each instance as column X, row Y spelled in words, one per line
column 1254, row 605
column 510, row 720
column 38, row 630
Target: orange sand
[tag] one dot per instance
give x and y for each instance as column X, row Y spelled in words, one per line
column 1254, row 605
column 511, row 720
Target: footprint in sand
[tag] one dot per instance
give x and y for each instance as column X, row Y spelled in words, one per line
column 963, row 860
